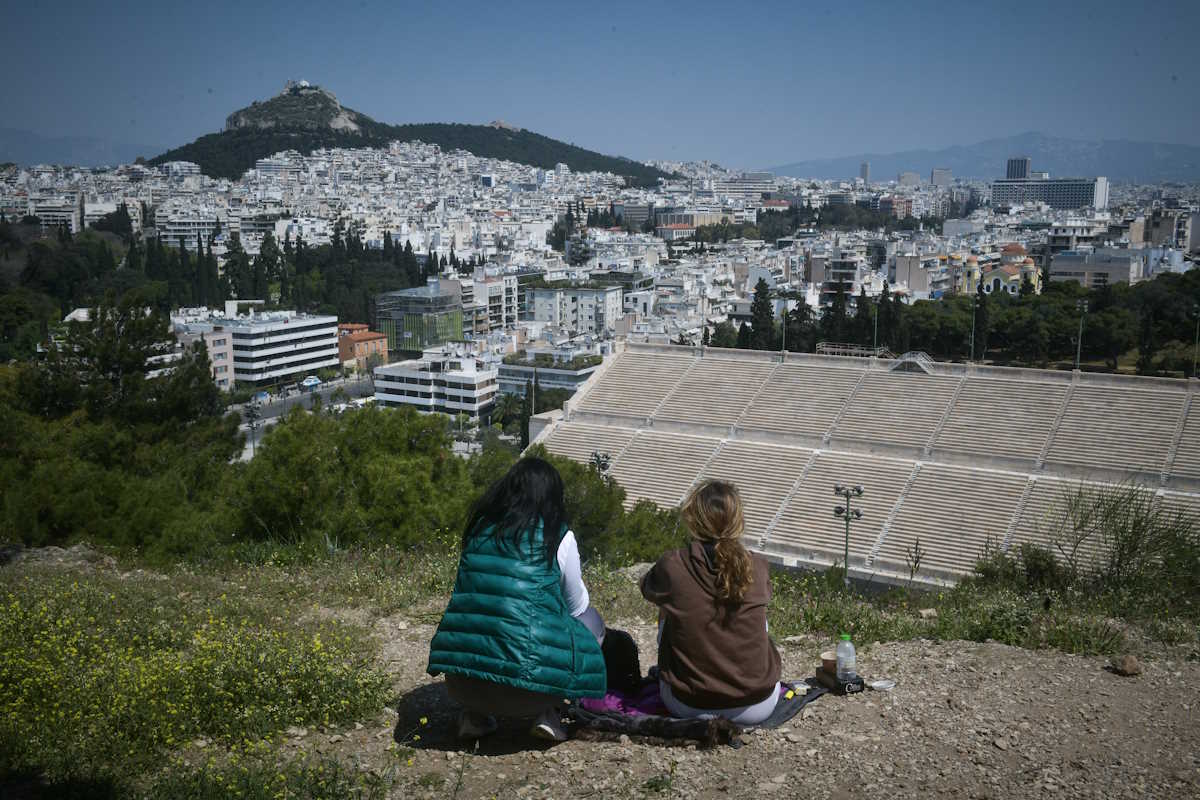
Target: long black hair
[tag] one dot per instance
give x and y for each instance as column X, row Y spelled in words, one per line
column 531, row 491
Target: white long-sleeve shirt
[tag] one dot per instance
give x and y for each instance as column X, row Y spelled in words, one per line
column 574, row 592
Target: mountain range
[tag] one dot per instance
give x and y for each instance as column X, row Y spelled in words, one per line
column 1117, row 159
column 306, row 117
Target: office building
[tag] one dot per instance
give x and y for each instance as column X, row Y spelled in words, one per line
column 421, row 317
column 275, row 346
column 1018, row 168
column 750, row 187
column 1096, row 268
column 908, row 178
column 941, row 176
column 633, row 214
column 447, row 380
column 864, row 171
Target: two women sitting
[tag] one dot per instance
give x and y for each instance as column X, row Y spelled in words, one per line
column 519, row 635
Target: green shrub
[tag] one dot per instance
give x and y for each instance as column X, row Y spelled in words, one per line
column 259, row 779
column 369, row 476
column 99, row 676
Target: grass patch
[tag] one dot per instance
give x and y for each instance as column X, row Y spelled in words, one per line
column 321, row 778
column 99, row 676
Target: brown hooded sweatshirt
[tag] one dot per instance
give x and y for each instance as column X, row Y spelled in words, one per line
column 713, row 655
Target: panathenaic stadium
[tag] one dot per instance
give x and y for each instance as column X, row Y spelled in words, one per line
column 958, row 458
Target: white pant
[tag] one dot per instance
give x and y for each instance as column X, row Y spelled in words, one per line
column 741, row 715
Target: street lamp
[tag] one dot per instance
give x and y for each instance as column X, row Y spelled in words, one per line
column 1082, row 305
column 847, row 514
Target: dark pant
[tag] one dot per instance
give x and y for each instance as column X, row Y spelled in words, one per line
column 496, row 699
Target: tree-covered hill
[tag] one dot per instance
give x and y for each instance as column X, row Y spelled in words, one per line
column 305, row 120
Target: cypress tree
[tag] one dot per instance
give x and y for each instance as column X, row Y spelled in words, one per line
column 526, row 412
column 762, row 318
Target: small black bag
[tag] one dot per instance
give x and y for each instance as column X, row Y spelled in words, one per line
column 621, row 661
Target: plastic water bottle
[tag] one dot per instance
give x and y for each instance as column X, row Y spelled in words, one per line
column 846, row 660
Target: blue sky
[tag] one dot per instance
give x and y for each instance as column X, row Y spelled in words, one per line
column 745, row 84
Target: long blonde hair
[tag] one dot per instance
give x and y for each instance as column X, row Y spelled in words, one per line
column 713, row 512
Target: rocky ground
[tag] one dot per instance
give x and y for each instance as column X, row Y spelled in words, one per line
column 965, row 720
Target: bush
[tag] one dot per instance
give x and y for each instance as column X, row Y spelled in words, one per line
column 1116, row 544
column 369, row 476
column 262, row 779
column 100, row 676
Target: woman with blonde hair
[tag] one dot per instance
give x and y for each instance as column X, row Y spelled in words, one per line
column 715, row 658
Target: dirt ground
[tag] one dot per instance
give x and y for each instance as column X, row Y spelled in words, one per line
column 965, row 720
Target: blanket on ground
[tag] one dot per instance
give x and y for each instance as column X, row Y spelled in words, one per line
column 641, row 713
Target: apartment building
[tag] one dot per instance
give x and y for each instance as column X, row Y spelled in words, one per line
column 96, row 210
column 176, row 224
column 500, row 295
column 578, row 309
column 192, row 324
column 58, row 211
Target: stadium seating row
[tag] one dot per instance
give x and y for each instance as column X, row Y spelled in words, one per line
column 1041, row 424
column 937, row 515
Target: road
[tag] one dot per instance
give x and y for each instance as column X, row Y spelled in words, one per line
column 355, row 387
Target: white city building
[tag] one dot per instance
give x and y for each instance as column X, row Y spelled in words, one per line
column 578, row 309
column 190, row 324
column 273, row 345
column 448, row 380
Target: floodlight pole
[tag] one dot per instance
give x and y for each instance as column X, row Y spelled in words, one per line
column 846, row 513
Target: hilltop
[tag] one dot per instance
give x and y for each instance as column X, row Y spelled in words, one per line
column 305, row 117
column 1117, row 159
column 364, row 721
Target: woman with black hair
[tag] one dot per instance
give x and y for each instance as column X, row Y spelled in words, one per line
column 519, row 634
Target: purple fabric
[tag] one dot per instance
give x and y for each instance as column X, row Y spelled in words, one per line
column 646, row 701
column 643, row 702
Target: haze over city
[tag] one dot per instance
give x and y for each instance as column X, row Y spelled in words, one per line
column 746, row 88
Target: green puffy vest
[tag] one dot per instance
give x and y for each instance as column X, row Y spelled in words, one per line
column 508, row 623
